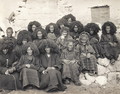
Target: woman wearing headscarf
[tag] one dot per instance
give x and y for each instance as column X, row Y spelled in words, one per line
column 50, row 66
column 52, row 31
column 88, row 60
column 94, row 39
column 9, row 77
column 109, row 41
column 71, row 69
column 28, row 66
column 62, row 40
column 23, row 37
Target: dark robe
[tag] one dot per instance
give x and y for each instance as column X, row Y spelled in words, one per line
column 111, row 52
column 94, row 42
column 8, row 82
column 18, row 50
column 11, row 39
column 52, row 36
column 63, row 43
column 89, row 64
column 70, row 65
column 75, row 35
column 53, row 78
column 37, row 42
column 29, row 76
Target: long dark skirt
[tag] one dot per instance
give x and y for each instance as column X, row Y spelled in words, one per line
column 89, row 64
column 110, row 52
column 29, row 77
column 98, row 50
column 10, row 82
column 51, row 80
column 71, row 71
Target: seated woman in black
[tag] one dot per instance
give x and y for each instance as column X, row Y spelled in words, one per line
column 50, row 66
column 9, row 78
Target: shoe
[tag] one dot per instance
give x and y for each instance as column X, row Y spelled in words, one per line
column 77, row 83
column 67, row 82
column 112, row 61
column 62, row 88
column 52, row 89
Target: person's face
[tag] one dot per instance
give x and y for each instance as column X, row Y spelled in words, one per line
column 70, row 46
column 83, row 43
column 29, row 51
column 69, row 21
column 47, row 49
column 91, row 31
column 33, row 27
column 84, row 40
column 62, row 25
column 9, row 33
column 108, row 29
column 75, row 28
column 24, row 41
column 5, row 51
column 51, row 28
column 64, row 33
column 39, row 35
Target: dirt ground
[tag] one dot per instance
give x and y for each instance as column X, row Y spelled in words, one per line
column 110, row 88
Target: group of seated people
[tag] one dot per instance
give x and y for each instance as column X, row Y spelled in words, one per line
column 49, row 59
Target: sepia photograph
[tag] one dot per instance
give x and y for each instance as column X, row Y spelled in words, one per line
column 59, row 46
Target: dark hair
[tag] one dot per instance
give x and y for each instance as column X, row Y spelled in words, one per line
column 65, row 28
column 34, row 34
column 78, row 24
column 24, row 34
column 6, row 44
column 32, row 46
column 61, row 21
column 69, row 16
column 36, row 23
column 48, row 43
column 56, row 29
column 92, row 26
column 112, row 27
column 9, row 28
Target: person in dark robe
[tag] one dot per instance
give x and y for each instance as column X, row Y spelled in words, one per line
column 76, row 27
column 9, row 77
column 87, row 57
column 70, row 18
column 52, row 31
column 109, row 41
column 9, row 36
column 62, row 40
column 71, row 69
column 28, row 66
column 50, row 66
column 23, row 37
column 94, row 39
column 38, row 35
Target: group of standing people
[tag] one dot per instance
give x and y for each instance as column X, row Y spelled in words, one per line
column 50, row 58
